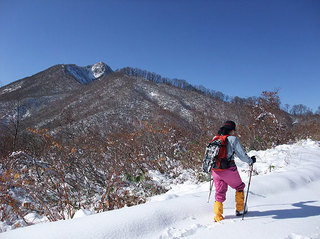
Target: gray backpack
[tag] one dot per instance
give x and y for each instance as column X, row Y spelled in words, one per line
column 210, row 156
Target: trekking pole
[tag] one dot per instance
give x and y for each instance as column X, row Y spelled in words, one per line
column 211, row 186
column 245, row 204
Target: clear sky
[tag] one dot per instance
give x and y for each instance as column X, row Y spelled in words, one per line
column 239, row 47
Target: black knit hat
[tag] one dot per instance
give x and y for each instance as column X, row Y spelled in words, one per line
column 230, row 125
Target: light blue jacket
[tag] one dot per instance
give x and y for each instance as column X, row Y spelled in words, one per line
column 234, row 147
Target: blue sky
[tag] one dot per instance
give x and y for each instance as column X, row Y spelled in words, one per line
column 239, row 47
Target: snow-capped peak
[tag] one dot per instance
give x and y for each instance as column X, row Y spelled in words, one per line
column 99, row 69
column 87, row 74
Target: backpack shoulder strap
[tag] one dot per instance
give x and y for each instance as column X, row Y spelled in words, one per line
column 224, row 139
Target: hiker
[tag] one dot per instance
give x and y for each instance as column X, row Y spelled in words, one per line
column 228, row 175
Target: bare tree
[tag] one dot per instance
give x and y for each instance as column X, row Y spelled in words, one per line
column 300, row 109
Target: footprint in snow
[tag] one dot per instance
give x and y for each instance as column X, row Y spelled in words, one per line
column 176, row 233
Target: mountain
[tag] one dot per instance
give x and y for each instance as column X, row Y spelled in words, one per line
column 32, row 94
column 96, row 98
column 96, row 95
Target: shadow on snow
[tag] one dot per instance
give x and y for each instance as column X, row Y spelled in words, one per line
column 302, row 211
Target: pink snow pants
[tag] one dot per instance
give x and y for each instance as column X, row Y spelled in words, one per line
column 224, row 178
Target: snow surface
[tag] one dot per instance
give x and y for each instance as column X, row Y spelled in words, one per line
column 10, row 89
column 87, row 74
column 284, row 202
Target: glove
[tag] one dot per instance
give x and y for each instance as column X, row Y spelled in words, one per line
column 253, row 159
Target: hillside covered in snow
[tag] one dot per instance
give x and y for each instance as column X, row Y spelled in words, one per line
column 284, row 202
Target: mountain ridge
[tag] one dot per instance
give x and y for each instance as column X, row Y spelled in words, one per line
column 111, row 101
column 59, row 83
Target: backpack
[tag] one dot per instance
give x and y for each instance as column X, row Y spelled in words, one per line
column 215, row 157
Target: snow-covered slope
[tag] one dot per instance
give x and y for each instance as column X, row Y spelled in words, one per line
column 87, row 74
column 284, row 202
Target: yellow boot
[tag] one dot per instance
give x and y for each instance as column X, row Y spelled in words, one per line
column 240, row 203
column 218, row 210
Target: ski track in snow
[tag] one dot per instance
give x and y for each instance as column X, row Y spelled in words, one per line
column 284, row 203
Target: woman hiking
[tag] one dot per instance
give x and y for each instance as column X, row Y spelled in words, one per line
column 225, row 173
